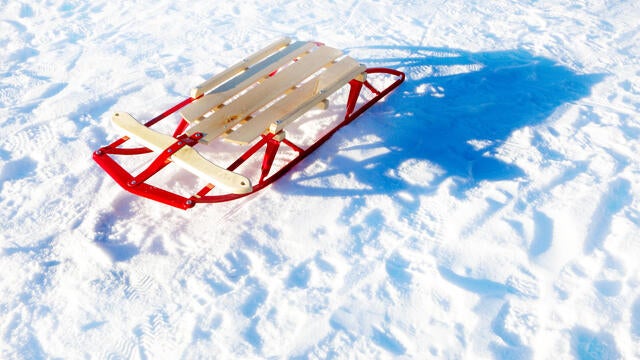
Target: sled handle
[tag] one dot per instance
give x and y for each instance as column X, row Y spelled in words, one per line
column 186, row 157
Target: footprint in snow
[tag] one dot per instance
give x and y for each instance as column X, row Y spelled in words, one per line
column 299, row 276
column 235, row 265
column 387, row 341
column 588, row 344
column 396, row 267
column 255, row 300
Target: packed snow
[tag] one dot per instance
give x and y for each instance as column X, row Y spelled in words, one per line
column 487, row 208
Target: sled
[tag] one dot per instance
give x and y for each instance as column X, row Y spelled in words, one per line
column 251, row 105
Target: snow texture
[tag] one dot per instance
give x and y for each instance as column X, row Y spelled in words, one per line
column 488, row 208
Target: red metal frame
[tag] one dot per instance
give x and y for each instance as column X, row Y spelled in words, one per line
column 136, row 183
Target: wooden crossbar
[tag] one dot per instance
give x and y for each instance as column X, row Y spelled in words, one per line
column 186, row 157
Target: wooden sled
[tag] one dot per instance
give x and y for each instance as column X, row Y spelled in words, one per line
column 251, row 103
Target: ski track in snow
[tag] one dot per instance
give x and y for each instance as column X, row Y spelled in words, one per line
column 486, row 209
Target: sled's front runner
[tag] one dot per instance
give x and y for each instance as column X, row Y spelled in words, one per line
column 251, row 103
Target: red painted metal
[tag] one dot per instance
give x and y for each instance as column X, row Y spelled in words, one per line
column 269, row 157
column 137, row 184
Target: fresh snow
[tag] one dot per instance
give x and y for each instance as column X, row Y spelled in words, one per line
column 487, row 208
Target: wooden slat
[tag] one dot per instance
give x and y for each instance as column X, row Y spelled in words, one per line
column 260, row 123
column 238, row 67
column 197, row 109
column 337, row 74
column 228, row 116
column 329, row 82
column 186, row 157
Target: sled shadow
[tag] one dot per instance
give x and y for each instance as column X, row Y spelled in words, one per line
column 450, row 116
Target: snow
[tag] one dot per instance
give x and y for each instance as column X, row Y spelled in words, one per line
column 486, row 209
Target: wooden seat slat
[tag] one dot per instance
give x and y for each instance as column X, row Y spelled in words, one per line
column 237, row 68
column 298, row 101
column 228, row 116
column 335, row 78
column 197, row 109
column 260, row 123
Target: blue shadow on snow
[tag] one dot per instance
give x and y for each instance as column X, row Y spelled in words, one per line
column 449, row 99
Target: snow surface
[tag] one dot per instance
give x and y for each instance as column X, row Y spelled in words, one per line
column 487, row 209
